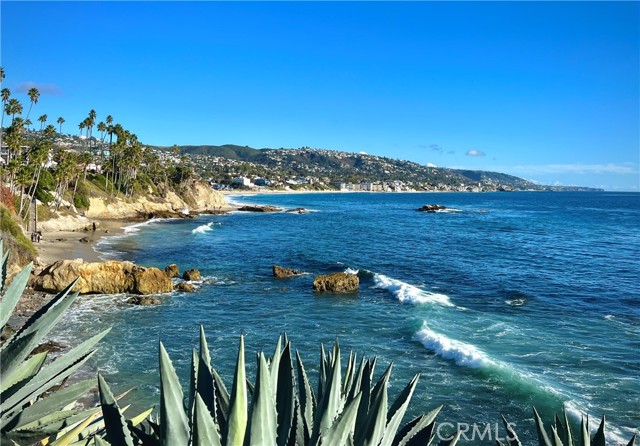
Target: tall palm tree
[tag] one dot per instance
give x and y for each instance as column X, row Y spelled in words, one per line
column 28, row 123
column 6, row 94
column 91, row 121
column 34, row 95
column 13, row 108
column 60, row 121
column 42, row 119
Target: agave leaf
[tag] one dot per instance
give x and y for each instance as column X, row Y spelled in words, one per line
column 5, row 264
column 420, row 437
column 53, row 373
column 416, row 426
column 174, row 425
column 299, row 435
column 47, row 425
column 632, row 441
column 377, row 417
column 354, row 387
column 322, row 379
column 586, row 439
column 205, row 386
column 237, row 425
column 329, row 406
column 512, row 436
column 193, row 383
column 71, row 435
column 397, row 412
column 343, row 427
column 348, row 376
column 25, row 372
column 222, row 400
column 53, row 402
column 13, row 292
column 263, row 417
column 37, row 327
column 365, row 401
column 567, row 439
column 543, row 438
column 274, row 366
column 117, row 431
column 557, row 441
column 307, row 400
column 285, row 396
column 599, row 438
column 205, row 431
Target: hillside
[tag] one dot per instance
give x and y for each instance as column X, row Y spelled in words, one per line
column 327, row 169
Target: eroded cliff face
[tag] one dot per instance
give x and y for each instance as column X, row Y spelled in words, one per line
column 201, row 197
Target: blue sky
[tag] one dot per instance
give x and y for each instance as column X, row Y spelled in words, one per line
column 547, row 91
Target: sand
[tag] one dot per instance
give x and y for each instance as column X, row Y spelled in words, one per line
column 66, row 245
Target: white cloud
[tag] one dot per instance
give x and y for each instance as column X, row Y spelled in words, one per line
column 474, row 152
column 43, row 88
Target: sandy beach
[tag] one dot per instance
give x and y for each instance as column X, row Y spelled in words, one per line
column 79, row 244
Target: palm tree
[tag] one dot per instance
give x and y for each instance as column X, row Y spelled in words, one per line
column 34, row 94
column 91, row 121
column 6, row 94
column 43, row 120
column 28, row 123
column 60, row 121
column 13, row 108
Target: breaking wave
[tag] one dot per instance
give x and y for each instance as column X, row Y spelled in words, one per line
column 203, row 228
column 463, row 354
column 409, row 293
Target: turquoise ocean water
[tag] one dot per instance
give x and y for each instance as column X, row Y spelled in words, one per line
column 510, row 300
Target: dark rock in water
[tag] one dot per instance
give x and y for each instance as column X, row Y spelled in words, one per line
column 84, row 240
column 143, row 300
column 298, row 211
column 185, row 287
column 282, row 273
column 172, row 271
column 49, row 346
column 192, row 274
column 251, row 208
column 432, row 208
column 336, row 283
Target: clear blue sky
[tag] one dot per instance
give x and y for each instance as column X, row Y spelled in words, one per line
column 547, row 91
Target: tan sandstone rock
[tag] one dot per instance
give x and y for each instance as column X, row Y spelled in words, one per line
column 282, row 273
column 172, row 271
column 336, row 283
column 109, row 277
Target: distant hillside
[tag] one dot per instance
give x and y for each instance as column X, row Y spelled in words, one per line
column 329, row 167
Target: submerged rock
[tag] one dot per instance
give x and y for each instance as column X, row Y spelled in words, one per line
column 109, row 277
column 251, row 208
column 298, row 211
column 282, row 273
column 185, row 287
column 143, row 300
column 336, row 283
column 192, row 274
column 172, row 271
column 49, row 347
column 432, row 208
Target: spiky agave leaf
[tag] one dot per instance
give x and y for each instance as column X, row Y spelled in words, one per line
column 13, row 292
column 205, row 431
column 285, row 396
column 397, row 411
column 263, row 415
column 174, row 425
column 118, row 433
column 331, row 403
column 543, row 438
column 512, row 436
column 306, row 398
column 342, row 429
column 237, row 424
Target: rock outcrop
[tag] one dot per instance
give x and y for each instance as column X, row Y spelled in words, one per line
column 172, row 271
column 109, row 277
column 192, row 274
column 282, row 273
column 432, row 208
column 252, row 208
column 143, row 300
column 336, row 283
column 185, row 287
column 297, row 211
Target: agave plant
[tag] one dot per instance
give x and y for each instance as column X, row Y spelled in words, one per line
column 561, row 433
column 30, row 409
column 344, row 410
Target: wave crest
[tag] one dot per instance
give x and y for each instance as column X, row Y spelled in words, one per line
column 463, row 354
column 409, row 293
column 203, row 228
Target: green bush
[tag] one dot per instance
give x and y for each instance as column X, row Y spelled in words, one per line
column 15, row 241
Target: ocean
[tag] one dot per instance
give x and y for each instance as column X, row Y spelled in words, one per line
column 507, row 301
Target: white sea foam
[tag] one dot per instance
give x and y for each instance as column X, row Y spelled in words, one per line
column 614, row 435
column 463, row 354
column 352, row 271
column 203, row 228
column 409, row 293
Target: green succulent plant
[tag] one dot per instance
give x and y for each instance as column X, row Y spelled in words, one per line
column 280, row 408
column 31, row 408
